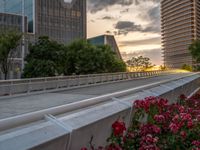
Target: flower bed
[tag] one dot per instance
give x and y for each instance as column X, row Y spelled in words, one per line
column 158, row 125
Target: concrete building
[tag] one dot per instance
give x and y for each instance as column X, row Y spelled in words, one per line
column 106, row 40
column 63, row 21
column 180, row 26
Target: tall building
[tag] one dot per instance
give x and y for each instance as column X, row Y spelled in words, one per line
column 180, row 26
column 60, row 20
column 14, row 22
column 106, row 40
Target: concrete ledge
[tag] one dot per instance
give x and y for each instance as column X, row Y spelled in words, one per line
column 94, row 122
column 45, row 136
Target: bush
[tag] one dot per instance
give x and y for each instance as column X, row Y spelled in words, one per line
column 167, row 126
column 187, row 67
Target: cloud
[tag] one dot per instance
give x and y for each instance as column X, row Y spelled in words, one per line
column 153, row 16
column 150, row 41
column 124, row 27
column 98, row 5
column 124, row 11
column 107, row 18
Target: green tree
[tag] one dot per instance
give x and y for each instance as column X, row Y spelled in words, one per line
column 82, row 57
column 139, row 63
column 194, row 49
column 48, row 58
column 187, row 67
column 45, row 59
column 9, row 40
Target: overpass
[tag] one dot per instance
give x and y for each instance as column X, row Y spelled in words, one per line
column 59, row 110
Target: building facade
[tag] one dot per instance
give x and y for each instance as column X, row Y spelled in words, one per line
column 106, row 40
column 180, row 26
column 13, row 22
column 60, row 20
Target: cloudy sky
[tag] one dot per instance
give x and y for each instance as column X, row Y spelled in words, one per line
column 135, row 24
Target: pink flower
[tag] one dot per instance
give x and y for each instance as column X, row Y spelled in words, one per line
column 185, row 117
column 190, row 124
column 196, row 143
column 174, row 128
column 149, row 129
column 159, row 118
column 131, row 135
column 181, row 109
column 176, row 118
column 149, row 139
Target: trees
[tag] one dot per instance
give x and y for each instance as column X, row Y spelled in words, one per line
column 84, row 58
column 44, row 59
column 48, row 58
column 194, row 49
column 9, row 40
column 139, row 63
column 186, row 67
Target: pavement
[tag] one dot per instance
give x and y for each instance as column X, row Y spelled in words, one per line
column 20, row 105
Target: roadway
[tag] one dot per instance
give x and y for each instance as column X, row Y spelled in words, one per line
column 10, row 107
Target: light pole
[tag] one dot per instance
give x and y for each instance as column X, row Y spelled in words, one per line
column 23, row 35
column 4, row 6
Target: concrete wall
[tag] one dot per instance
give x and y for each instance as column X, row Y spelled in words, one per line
column 75, row 130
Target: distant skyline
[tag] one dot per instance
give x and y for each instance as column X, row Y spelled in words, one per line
column 135, row 24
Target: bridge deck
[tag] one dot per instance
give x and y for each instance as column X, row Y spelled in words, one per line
column 25, row 104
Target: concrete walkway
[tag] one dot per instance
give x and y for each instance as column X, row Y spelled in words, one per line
column 20, row 105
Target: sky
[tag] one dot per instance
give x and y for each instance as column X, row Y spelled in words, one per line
column 135, row 24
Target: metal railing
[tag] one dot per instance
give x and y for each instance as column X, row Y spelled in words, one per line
column 42, row 85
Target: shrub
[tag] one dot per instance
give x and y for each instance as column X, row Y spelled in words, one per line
column 187, row 67
column 167, row 126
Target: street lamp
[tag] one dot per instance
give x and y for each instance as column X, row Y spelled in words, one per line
column 23, row 34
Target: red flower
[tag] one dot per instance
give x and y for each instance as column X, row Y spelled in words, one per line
column 84, row 148
column 118, row 128
column 183, row 134
column 149, row 129
column 113, row 147
column 182, row 97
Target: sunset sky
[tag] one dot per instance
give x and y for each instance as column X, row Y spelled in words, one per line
column 135, row 24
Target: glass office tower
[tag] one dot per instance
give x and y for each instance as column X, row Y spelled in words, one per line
column 15, row 7
column 61, row 21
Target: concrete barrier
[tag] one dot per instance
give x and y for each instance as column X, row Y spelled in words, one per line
column 71, row 131
column 42, row 85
